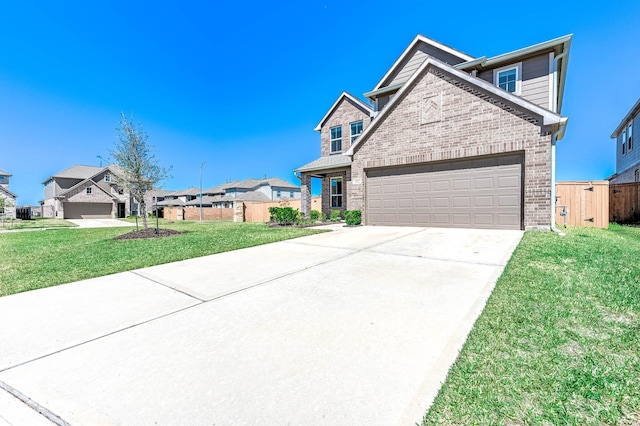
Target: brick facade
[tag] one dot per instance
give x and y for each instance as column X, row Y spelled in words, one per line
column 628, row 175
column 469, row 123
column 345, row 113
column 326, row 191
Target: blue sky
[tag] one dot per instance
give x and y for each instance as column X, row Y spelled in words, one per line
column 241, row 86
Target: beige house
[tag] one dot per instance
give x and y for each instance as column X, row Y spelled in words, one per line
column 9, row 205
column 85, row 192
column 448, row 139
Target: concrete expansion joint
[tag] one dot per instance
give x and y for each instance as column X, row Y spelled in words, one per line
column 440, row 259
column 167, row 286
column 43, row 411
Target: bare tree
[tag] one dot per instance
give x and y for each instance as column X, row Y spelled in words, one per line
column 138, row 170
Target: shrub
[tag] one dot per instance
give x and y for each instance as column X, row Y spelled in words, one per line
column 353, row 217
column 335, row 216
column 283, row 215
column 323, row 217
column 314, row 215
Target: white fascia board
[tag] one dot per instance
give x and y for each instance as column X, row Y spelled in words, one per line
column 335, row 104
column 416, row 40
column 481, row 61
column 375, row 93
column 548, row 117
column 521, row 52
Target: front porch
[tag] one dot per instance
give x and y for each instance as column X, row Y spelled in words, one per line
column 335, row 175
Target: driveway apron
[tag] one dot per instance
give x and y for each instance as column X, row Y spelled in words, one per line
column 354, row 326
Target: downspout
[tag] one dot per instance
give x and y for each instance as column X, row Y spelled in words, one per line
column 554, row 140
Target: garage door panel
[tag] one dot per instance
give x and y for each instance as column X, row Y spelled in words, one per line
column 87, row 210
column 485, row 193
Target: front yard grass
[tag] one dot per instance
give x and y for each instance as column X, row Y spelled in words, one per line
column 31, row 260
column 559, row 340
column 12, row 224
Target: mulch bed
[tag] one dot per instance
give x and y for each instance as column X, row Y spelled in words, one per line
column 148, row 233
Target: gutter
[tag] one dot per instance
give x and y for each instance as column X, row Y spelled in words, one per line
column 554, row 139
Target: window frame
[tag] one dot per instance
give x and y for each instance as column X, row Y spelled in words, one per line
column 89, row 190
column 336, row 196
column 518, row 68
column 107, row 177
column 630, row 136
column 352, row 136
column 637, row 175
column 624, row 141
column 336, row 140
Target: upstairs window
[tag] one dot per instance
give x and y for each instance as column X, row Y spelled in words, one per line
column 107, row 178
column 637, row 175
column 630, row 136
column 336, row 139
column 624, row 142
column 356, row 129
column 89, row 190
column 278, row 193
column 509, row 78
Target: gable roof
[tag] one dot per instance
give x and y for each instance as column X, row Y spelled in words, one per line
column 80, row 184
column 635, row 109
column 352, row 98
column 79, row 171
column 3, row 173
column 9, row 193
column 548, row 117
column 417, row 40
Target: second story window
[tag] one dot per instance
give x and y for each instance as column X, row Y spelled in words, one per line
column 89, row 190
column 356, row 129
column 624, row 142
column 630, row 136
column 509, row 78
column 336, row 139
column 107, row 178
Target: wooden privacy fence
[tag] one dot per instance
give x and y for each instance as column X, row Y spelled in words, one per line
column 624, row 202
column 582, row 203
column 258, row 211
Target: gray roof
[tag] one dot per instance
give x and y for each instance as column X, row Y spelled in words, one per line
column 6, row 191
column 188, row 191
column 325, row 163
column 3, row 173
column 79, row 171
column 171, row 202
column 273, row 182
column 244, row 196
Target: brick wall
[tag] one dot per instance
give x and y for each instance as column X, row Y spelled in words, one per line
column 467, row 123
column 326, row 191
column 344, row 114
column 627, row 176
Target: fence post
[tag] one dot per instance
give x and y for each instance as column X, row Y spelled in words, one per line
column 238, row 211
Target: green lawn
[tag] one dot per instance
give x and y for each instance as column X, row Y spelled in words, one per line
column 11, row 224
column 31, row 260
column 559, row 340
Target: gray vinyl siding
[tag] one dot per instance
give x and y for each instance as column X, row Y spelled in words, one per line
column 631, row 158
column 535, row 80
column 416, row 58
column 486, row 76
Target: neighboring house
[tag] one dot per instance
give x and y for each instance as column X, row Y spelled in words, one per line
column 9, row 210
column 268, row 189
column 627, row 147
column 450, row 140
column 177, row 198
column 85, row 192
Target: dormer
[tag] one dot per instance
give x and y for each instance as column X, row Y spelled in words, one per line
column 409, row 61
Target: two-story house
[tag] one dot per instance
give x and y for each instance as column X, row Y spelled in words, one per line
column 448, row 139
column 85, row 192
column 627, row 149
column 267, row 189
column 8, row 210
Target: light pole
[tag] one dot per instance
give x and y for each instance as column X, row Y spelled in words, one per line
column 201, row 190
column 100, row 157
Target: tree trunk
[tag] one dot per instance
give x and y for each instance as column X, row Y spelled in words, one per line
column 143, row 211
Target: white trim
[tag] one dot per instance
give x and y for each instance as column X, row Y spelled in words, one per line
column 335, row 104
column 548, row 117
column 518, row 68
column 552, row 78
column 420, row 38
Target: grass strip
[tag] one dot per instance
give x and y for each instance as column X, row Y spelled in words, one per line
column 559, row 340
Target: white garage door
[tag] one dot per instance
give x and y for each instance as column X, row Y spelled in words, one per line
column 87, row 210
column 478, row 193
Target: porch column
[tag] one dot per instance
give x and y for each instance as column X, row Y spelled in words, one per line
column 305, row 194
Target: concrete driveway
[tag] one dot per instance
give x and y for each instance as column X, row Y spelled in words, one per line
column 100, row 223
column 355, row 326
